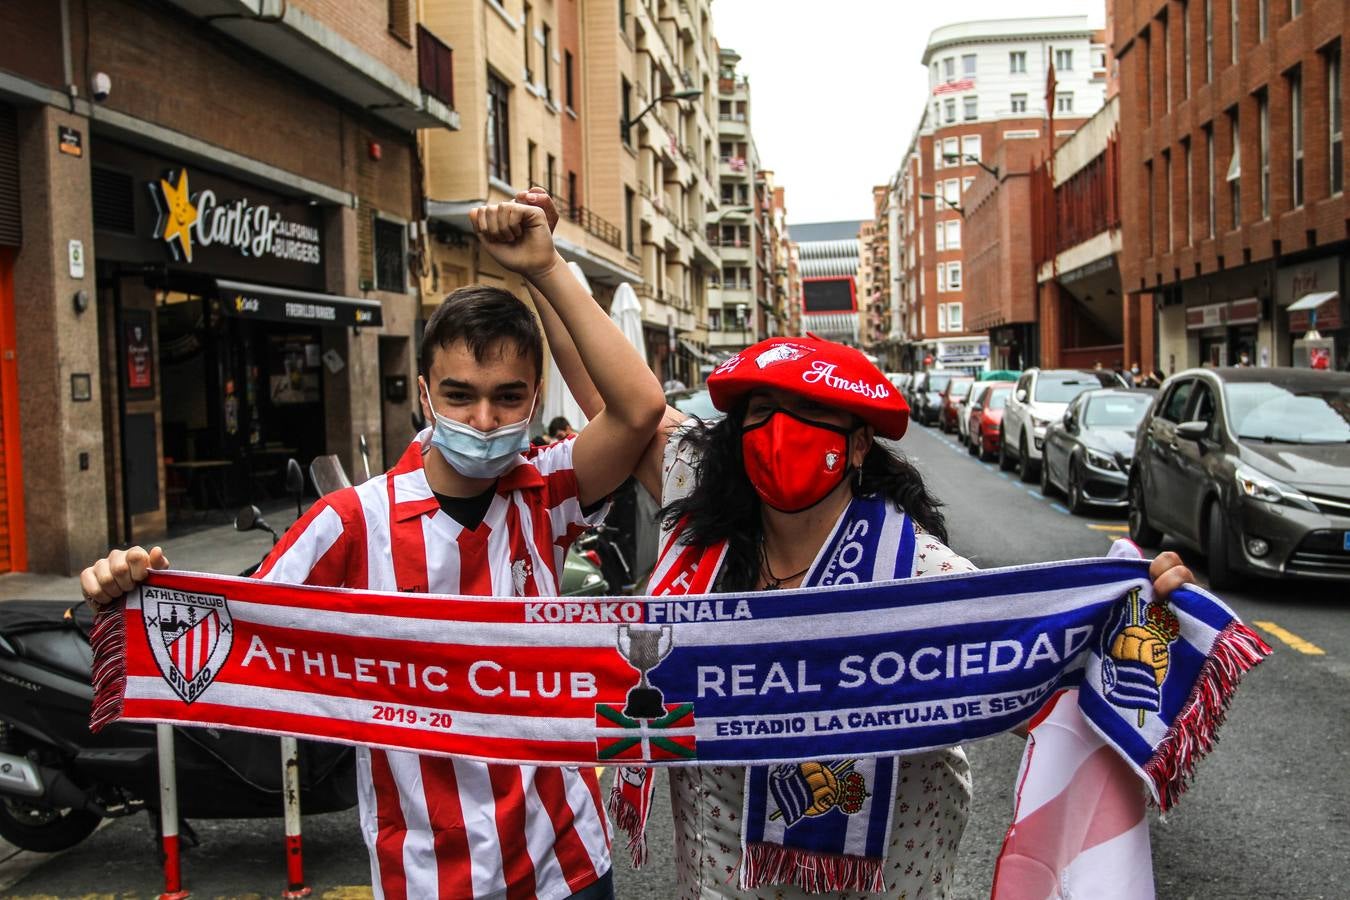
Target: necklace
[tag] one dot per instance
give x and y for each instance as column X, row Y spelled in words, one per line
column 773, row 582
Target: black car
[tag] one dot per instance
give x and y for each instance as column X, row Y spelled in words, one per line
column 1251, row 466
column 1087, row 453
column 925, row 396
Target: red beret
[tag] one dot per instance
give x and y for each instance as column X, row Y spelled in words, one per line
column 830, row 373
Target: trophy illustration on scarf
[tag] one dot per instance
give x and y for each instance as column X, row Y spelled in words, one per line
column 644, row 648
column 1136, row 662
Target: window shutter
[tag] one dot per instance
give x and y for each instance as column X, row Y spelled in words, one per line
column 400, row 20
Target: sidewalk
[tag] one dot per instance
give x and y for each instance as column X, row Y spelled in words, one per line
column 217, row 549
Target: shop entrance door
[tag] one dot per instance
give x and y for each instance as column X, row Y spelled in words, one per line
column 13, row 547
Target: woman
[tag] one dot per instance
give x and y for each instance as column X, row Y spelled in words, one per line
column 792, row 467
column 759, row 501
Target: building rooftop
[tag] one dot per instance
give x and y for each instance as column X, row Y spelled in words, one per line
column 1005, row 29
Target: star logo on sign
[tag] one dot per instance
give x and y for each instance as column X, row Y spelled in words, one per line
column 177, row 214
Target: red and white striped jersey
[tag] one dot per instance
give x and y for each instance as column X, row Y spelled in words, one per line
column 454, row 828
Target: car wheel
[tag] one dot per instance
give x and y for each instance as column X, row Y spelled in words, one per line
column 1078, row 504
column 1216, row 549
column 972, row 448
column 1141, row 532
column 1005, row 460
column 1047, row 486
column 43, row 829
column 1026, row 470
column 984, row 453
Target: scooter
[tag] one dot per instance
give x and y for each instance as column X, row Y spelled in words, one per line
column 58, row 781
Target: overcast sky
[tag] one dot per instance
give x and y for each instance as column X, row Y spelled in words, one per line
column 837, row 87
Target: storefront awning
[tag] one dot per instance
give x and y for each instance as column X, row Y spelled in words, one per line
column 693, row 350
column 1311, row 301
column 264, row 303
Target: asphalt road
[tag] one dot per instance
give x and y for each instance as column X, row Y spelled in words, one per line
column 1268, row 814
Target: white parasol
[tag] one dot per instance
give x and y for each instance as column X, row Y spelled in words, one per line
column 626, row 312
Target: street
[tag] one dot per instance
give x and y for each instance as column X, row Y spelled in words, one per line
column 1267, row 814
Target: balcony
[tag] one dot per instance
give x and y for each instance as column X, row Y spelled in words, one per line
column 292, row 38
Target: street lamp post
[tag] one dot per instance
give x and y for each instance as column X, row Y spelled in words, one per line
column 691, row 94
column 949, row 204
column 951, row 158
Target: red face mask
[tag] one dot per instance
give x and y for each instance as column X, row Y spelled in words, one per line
column 794, row 463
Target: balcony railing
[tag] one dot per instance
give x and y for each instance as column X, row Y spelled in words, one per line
column 435, row 67
column 574, row 212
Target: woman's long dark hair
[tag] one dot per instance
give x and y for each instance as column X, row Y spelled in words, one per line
column 724, row 505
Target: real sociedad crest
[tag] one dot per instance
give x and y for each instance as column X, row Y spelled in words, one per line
column 190, row 636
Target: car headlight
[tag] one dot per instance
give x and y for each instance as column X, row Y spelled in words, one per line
column 1038, row 422
column 1257, row 486
column 1101, row 461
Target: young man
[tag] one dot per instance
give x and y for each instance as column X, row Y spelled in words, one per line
column 464, row 512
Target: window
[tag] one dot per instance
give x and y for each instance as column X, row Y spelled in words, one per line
column 714, row 320
column 1263, row 131
column 949, row 108
column 970, row 147
column 531, row 156
column 942, row 317
column 951, row 191
column 937, row 154
column 1148, row 76
column 968, row 65
column 953, row 276
column 969, row 108
column 547, row 63
column 951, row 151
column 949, row 69
column 940, row 240
column 1165, row 25
column 1186, row 149
column 1017, row 62
column 626, row 113
column 389, row 256
column 551, row 175
column 1185, row 12
column 400, row 20
column 1174, row 409
column 569, row 97
column 1335, row 158
column 1209, row 41
column 954, row 317
column 941, row 278
column 966, row 183
column 1210, row 179
column 528, row 31
column 1064, row 103
column 572, row 195
column 1064, row 60
column 1167, row 198
column 1018, row 103
column 1295, row 8
column 1262, row 20
column 953, row 229
column 1233, row 31
column 1296, row 135
column 1234, row 176
column 628, row 220
column 498, row 129
column 1148, row 176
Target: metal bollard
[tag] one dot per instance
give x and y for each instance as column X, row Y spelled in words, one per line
column 295, row 864
column 168, row 815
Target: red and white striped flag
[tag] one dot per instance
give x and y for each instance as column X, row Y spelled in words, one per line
column 1079, row 828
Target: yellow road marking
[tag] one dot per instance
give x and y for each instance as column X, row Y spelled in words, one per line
column 1109, row 527
column 1290, row 638
column 354, row 892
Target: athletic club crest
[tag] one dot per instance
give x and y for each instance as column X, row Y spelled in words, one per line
column 190, row 636
column 781, row 353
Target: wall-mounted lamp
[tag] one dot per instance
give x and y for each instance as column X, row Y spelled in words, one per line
column 80, row 301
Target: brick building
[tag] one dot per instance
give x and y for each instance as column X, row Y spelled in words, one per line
column 1233, row 169
column 204, row 255
column 987, row 87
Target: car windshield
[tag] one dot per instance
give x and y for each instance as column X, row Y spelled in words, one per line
column 1118, row 411
column 695, row 403
column 1061, row 388
column 1261, row 411
column 999, row 398
column 959, row 388
column 936, row 382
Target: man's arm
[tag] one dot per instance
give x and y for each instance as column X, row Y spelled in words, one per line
column 608, row 449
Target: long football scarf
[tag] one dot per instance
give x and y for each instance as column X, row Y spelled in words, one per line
column 851, row 671
column 825, row 824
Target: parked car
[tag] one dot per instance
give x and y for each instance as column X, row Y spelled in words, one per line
column 956, row 391
column 925, row 400
column 1041, row 396
column 694, row 402
column 985, row 417
column 1087, row 453
column 899, row 381
column 1252, row 467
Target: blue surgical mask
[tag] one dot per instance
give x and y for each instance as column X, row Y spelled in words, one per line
column 479, row 454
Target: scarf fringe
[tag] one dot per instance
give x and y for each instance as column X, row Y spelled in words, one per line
column 108, row 641
column 1193, row 735
column 815, row 873
column 629, row 820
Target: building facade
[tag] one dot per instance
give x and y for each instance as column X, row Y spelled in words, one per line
column 1233, row 177
column 737, row 230
column 205, row 271
column 987, row 86
column 828, row 254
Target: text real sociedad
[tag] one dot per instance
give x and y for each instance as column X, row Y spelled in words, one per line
column 488, row 678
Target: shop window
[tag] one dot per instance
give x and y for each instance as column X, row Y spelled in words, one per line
column 389, row 256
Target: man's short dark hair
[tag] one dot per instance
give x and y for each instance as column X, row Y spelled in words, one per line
column 483, row 317
column 559, row 423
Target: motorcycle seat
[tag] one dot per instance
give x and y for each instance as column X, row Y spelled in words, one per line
column 38, row 631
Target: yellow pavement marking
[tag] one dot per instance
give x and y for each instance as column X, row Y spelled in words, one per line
column 1291, row 639
column 353, row 892
column 1095, row 527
